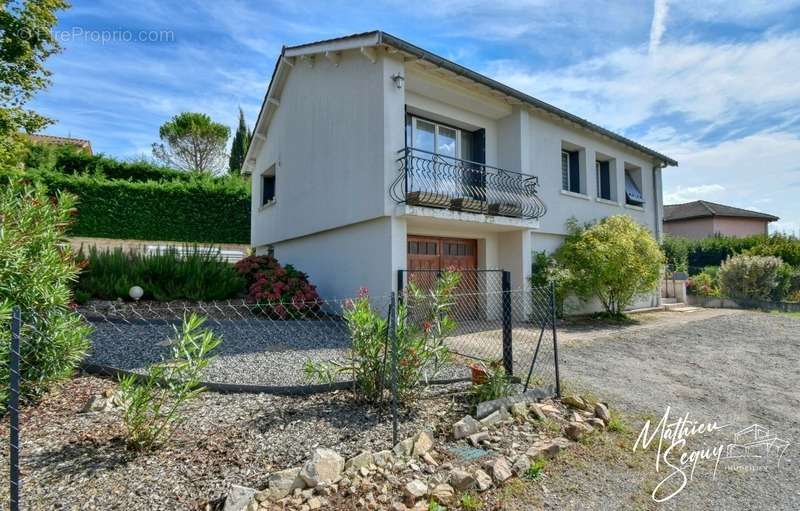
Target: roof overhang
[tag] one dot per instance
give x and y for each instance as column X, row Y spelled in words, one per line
column 369, row 42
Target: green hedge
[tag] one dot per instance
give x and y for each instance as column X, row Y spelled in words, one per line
column 694, row 255
column 69, row 160
column 201, row 210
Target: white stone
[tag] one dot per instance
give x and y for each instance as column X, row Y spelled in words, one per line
column 239, row 498
column 465, row 427
column 325, row 466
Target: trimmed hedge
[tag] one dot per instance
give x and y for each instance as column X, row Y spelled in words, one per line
column 70, row 160
column 200, row 210
column 694, row 255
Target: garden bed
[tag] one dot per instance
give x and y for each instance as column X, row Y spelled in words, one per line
column 74, row 460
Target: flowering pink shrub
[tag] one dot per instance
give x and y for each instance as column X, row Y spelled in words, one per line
column 279, row 291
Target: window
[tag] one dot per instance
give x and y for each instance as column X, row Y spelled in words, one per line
column 268, row 186
column 603, row 169
column 570, row 171
column 633, row 186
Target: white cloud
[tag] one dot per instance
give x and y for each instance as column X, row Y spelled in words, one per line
column 710, row 83
column 681, row 194
column 659, row 23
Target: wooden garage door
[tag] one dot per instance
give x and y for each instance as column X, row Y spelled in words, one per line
column 427, row 253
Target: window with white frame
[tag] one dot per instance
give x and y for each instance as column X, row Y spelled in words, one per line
column 633, row 186
column 268, row 186
column 572, row 176
column 604, row 179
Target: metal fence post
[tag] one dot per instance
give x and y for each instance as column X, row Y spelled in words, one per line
column 508, row 354
column 400, row 285
column 555, row 335
column 13, row 407
column 393, row 339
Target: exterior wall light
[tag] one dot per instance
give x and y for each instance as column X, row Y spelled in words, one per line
column 136, row 292
column 398, row 80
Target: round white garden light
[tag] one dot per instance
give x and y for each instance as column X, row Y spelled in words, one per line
column 136, row 292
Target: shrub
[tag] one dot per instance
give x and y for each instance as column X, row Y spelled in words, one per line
column 546, row 271
column 419, row 338
column 495, row 386
column 200, row 210
column 279, row 291
column 153, row 403
column 779, row 245
column 676, row 252
column 36, row 269
column 703, row 284
column 612, row 260
column 750, row 277
column 469, row 502
column 167, row 275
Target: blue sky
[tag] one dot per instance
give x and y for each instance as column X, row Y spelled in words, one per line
column 715, row 84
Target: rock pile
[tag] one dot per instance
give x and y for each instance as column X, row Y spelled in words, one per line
column 422, row 468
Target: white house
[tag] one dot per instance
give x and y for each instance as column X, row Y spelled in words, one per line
column 371, row 155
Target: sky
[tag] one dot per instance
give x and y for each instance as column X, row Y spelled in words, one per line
column 715, row 84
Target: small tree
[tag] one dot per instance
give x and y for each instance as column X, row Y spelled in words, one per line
column 192, row 141
column 613, row 261
column 36, row 269
column 27, row 41
column 241, row 141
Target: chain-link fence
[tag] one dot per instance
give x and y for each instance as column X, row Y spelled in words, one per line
column 296, row 348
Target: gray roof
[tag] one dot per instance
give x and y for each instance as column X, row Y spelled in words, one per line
column 701, row 208
column 396, row 42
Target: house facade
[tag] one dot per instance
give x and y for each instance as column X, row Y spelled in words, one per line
column 371, row 155
column 702, row 219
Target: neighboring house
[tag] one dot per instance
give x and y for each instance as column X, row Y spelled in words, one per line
column 371, row 155
column 701, row 219
column 80, row 143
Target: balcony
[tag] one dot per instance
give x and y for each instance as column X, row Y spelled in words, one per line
column 436, row 181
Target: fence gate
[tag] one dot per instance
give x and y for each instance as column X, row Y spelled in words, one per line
column 496, row 324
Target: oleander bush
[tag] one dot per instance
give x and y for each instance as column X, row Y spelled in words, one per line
column 422, row 325
column 703, row 284
column 191, row 274
column 153, row 403
column 278, row 291
column 36, row 270
column 751, row 277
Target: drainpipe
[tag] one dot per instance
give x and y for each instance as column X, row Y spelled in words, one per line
column 659, row 206
column 657, row 194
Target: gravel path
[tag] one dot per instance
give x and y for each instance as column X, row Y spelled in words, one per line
column 737, row 368
column 253, row 352
column 273, row 353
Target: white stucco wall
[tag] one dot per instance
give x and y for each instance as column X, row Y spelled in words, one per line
column 340, row 261
column 328, row 147
column 334, row 140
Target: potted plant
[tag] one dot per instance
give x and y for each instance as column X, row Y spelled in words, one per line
column 479, row 373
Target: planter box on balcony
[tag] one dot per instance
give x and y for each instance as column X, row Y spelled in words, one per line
column 505, row 209
column 429, row 199
column 469, row 205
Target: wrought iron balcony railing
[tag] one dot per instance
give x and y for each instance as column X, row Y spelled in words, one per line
column 436, row 181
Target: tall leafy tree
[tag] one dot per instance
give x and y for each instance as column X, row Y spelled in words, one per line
column 241, row 141
column 191, row 141
column 26, row 41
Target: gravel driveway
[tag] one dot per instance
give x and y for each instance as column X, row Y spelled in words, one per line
column 734, row 367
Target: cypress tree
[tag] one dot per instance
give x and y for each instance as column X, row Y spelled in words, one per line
column 241, row 140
